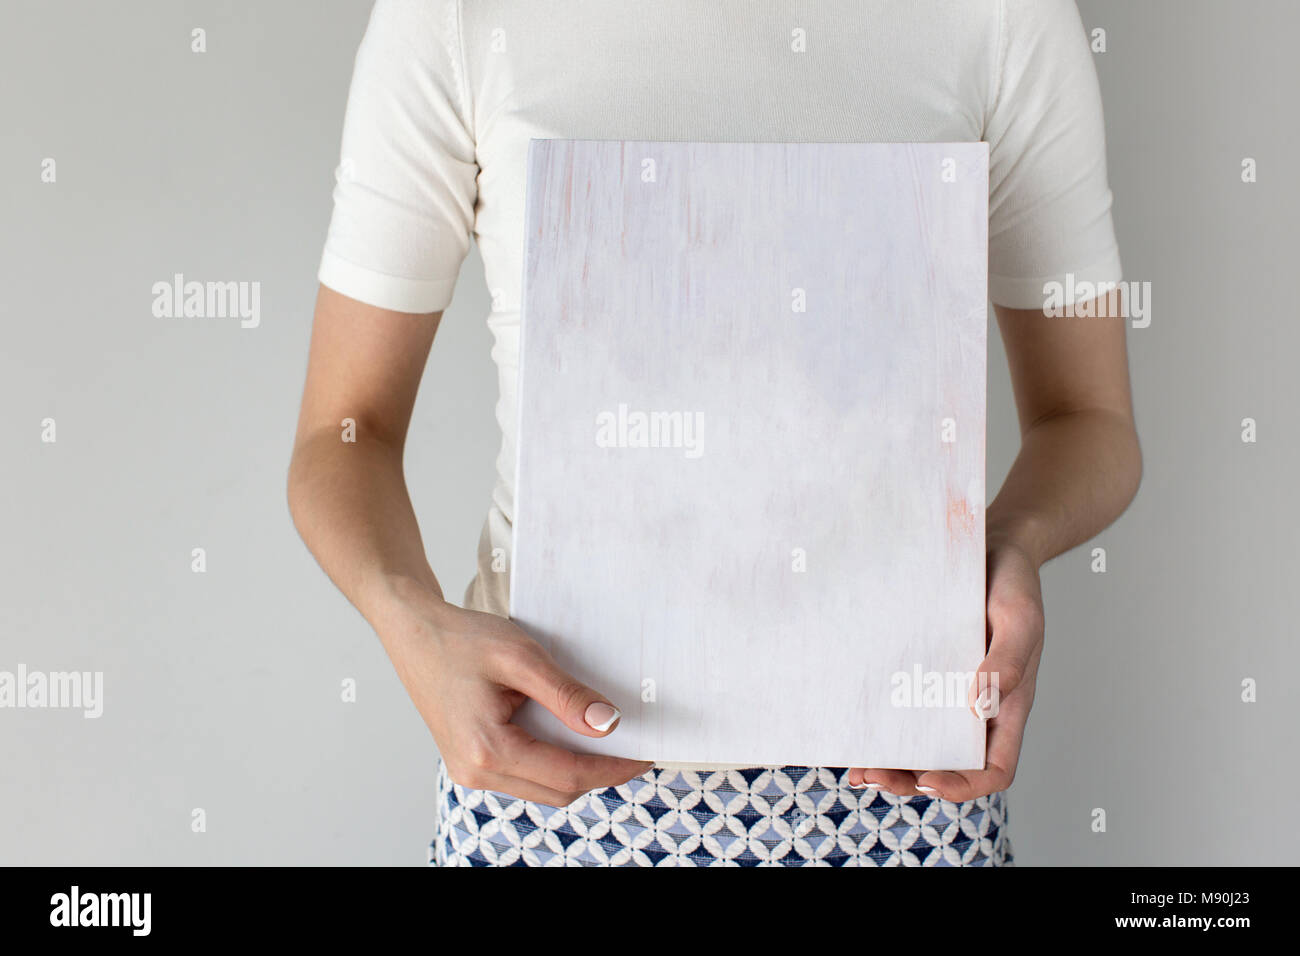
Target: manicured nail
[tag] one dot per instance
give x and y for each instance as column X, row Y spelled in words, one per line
column 601, row 716
column 874, row 786
column 926, row 790
column 985, row 704
column 857, row 786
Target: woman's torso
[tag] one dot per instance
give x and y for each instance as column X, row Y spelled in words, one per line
column 843, row 71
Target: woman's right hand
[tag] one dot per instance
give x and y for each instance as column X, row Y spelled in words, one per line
column 468, row 672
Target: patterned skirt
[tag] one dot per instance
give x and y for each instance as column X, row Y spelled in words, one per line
column 765, row 816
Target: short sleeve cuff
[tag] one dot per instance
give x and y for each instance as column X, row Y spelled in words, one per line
column 1078, row 285
column 384, row 291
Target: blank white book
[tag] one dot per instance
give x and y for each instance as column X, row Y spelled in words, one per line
column 750, row 494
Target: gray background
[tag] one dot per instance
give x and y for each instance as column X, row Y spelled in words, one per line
column 223, row 689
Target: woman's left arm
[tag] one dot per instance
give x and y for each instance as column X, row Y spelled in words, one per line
column 1078, row 468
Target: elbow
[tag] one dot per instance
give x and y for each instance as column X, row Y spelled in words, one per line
column 295, row 486
column 1132, row 469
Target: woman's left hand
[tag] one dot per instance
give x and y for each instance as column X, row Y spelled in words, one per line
column 1015, row 621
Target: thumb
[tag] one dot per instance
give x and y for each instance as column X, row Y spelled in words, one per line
column 580, row 708
column 1005, row 666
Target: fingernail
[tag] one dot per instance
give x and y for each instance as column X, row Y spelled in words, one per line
column 926, row 790
column 601, row 716
column 986, row 704
column 874, row 786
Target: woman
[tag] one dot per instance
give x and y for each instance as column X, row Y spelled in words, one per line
column 444, row 99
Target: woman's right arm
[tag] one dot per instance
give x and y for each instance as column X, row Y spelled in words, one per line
column 466, row 671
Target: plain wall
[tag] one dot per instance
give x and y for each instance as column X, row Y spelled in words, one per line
column 222, row 689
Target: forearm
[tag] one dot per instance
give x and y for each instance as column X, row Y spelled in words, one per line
column 1075, row 474
column 351, row 506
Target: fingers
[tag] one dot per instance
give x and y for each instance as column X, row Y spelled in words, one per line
column 1002, row 752
column 531, row 759
column 514, row 763
column 1015, row 621
column 1017, row 639
column 901, row 783
column 998, row 773
column 530, row 670
column 513, row 787
column 505, row 757
column 1005, row 735
column 1003, row 690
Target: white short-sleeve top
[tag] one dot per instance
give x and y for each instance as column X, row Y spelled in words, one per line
column 446, row 95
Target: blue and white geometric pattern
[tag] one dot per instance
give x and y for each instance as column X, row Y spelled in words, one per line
column 765, row 816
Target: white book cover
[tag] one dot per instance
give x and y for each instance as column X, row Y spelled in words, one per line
column 750, row 492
